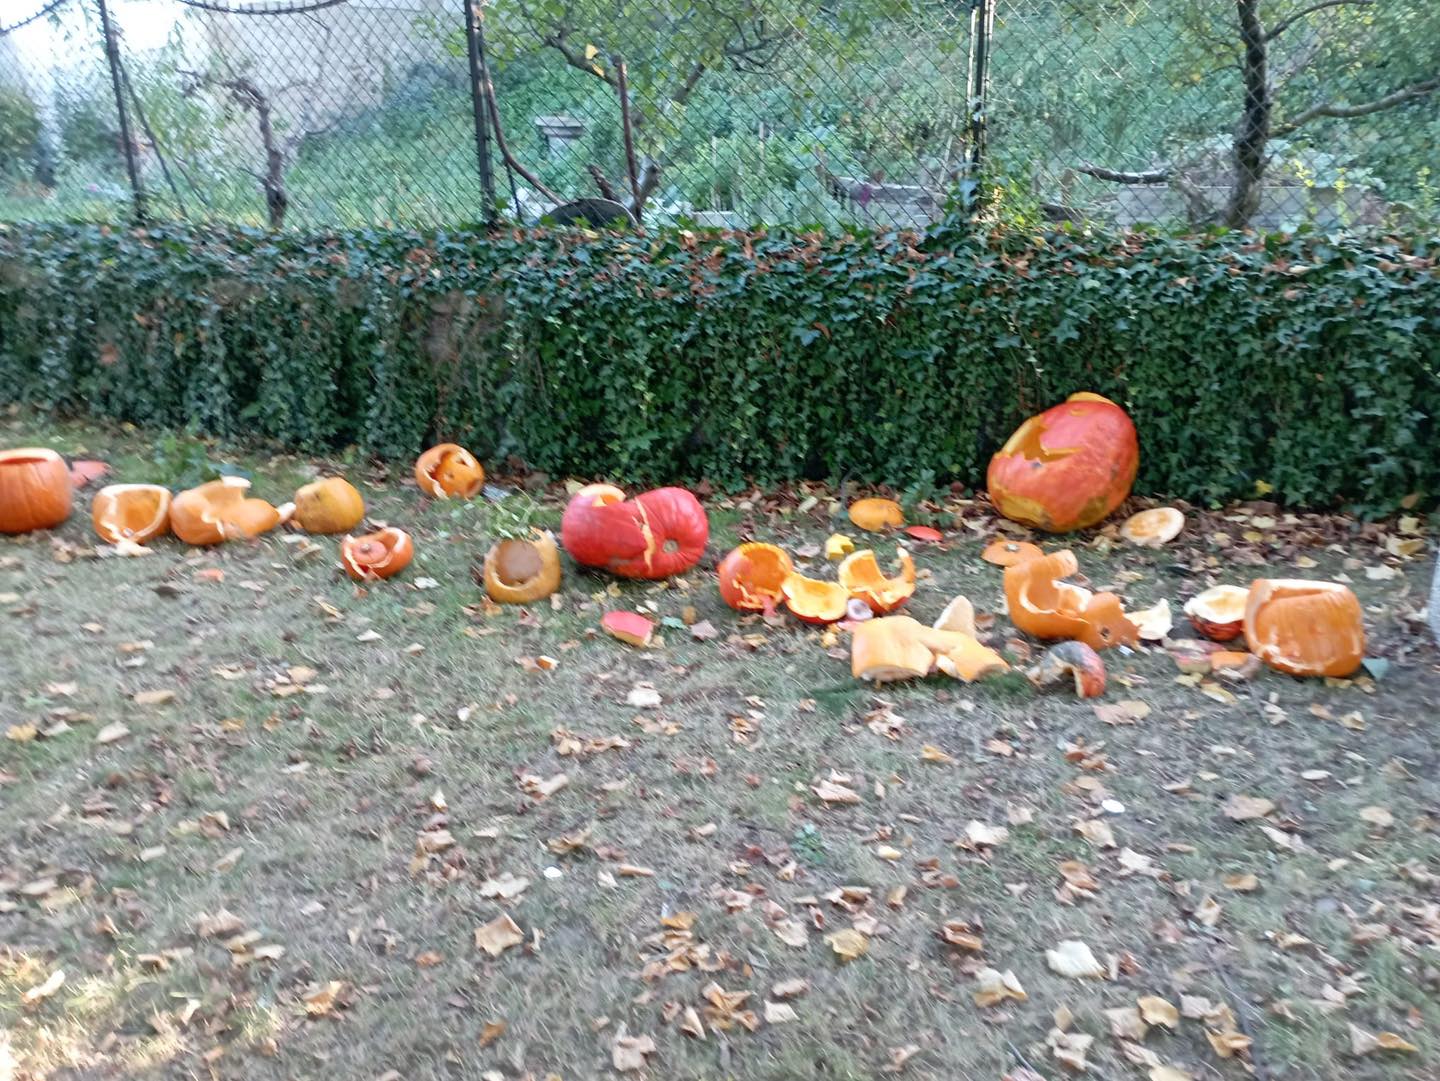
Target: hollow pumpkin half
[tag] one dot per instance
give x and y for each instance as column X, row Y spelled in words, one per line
column 519, row 571
column 752, row 577
column 814, row 601
column 1044, row 605
column 862, row 578
column 448, row 469
column 382, row 554
column 137, row 513
column 1219, row 612
column 219, row 511
column 1153, row 528
column 1305, row 628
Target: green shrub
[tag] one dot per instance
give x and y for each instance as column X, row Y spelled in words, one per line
column 19, row 131
column 1304, row 363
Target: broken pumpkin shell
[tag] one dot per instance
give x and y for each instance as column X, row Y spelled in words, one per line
column 899, row 647
column 1153, row 623
column 924, row 533
column 752, row 576
column 1040, row 603
column 522, row 570
column 1305, row 628
column 958, row 616
column 1067, row 468
column 814, row 601
column 328, row 505
column 137, row 513
column 382, row 554
column 1008, row 553
column 862, row 577
column 35, row 489
column 447, row 470
column 1153, row 528
column 1075, row 661
column 838, row 546
column 876, row 515
column 655, row 535
column 219, row 511
column 629, row 627
column 1219, row 612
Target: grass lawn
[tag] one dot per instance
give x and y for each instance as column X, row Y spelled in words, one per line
column 256, row 815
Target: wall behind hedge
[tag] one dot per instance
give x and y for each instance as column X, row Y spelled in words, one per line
column 1308, row 364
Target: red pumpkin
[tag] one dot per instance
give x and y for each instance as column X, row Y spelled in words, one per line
column 654, row 535
column 1068, row 468
column 35, row 489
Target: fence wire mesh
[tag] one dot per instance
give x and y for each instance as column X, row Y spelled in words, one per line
column 319, row 113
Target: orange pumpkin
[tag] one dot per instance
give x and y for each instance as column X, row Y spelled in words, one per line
column 814, row 601
column 1043, row 605
column 521, row 571
column 1219, row 612
column 35, row 489
column 752, row 577
column 655, row 535
column 876, row 515
column 862, row 577
column 1305, row 628
column 137, row 513
column 1073, row 660
column 1067, row 468
column 449, row 470
column 220, row 511
column 329, row 505
column 377, row 555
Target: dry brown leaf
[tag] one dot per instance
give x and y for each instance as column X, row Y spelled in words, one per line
column 1240, row 808
column 1157, row 1011
column 1228, row 1044
column 628, row 1052
column 929, row 753
column 321, row 1001
column 780, row 1013
column 1127, row 711
column 1098, row 833
column 506, row 887
column 789, row 988
column 1208, row 911
column 1138, row 1055
column 154, row 698
column 792, row 932
column 981, row 834
column 833, row 792
column 1366, row 1043
column 1126, row 1023
column 498, row 935
column 691, row 1025
column 1246, row 883
column 848, row 944
column 1073, row 958
column 539, row 788
column 959, row 933
column 112, row 733
column 1170, row 1073
column 1378, row 817
column 42, row 991
column 1069, row 1048
column 993, row 987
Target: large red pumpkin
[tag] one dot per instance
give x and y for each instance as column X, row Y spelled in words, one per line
column 654, row 535
column 1067, row 468
column 35, row 489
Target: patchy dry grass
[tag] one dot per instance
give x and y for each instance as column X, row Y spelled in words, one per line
column 317, row 730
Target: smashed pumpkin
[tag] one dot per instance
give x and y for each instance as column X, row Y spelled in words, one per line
column 328, row 505
column 1219, row 612
column 814, row 601
column 35, row 489
column 655, row 535
column 1074, row 661
column 521, row 571
column 899, row 647
column 382, row 554
column 1067, row 468
column 137, row 513
column 1041, row 604
column 629, row 627
column 220, row 510
column 449, row 470
column 1305, row 628
column 752, row 577
column 876, row 515
column 863, row 579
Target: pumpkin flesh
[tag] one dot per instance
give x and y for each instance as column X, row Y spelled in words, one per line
column 1305, row 628
column 752, row 577
column 1046, row 607
column 137, row 513
column 35, row 489
column 447, row 470
column 899, row 647
column 814, row 601
column 861, row 575
column 219, row 511
column 1153, row 528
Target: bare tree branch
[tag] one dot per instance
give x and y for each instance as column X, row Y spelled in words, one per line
column 504, row 148
column 1099, row 172
column 627, row 127
column 1347, row 112
column 1290, row 20
column 607, row 189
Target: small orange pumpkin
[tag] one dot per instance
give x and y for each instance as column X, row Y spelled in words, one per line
column 752, row 577
column 1305, row 628
column 35, row 489
column 329, row 505
column 1043, row 605
column 814, row 601
column 137, row 513
column 219, row 511
column 861, row 575
column 522, row 570
column 1067, row 468
column 876, row 515
column 449, row 470
column 382, row 554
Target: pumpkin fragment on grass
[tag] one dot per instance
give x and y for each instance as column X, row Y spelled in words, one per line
column 1005, row 553
column 137, row 513
column 1219, row 612
column 814, row 601
column 1305, row 628
column 447, row 470
column 1153, row 528
column 382, row 554
column 629, row 627
column 899, row 647
column 1044, row 605
column 862, row 577
column 876, row 515
column 1074, row 661
column 522, row 570
column 221, row 510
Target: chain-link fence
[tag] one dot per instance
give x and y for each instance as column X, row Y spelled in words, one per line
column 317, row 113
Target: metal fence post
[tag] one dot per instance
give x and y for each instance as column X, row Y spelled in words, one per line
column 475, row 40
column 112, row 56
column 982, row 27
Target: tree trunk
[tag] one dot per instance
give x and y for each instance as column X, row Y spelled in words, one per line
column 1253, row 134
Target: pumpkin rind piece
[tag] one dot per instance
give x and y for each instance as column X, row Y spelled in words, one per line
column 448, row 469
column 1041, row 604
column 35, row 489
column 1219, row 612
column 629, row 627
column 522, row 571
column 1005, row 553
column 137, row 513
column 838, row 546
column 969, row 660
column 876, row 515
column 328, row 505
column 861, row 575
column 1067, row 468
column 886, row 650
column 382, row 554
column 220, row 510
column 752, row 576
column 814, row 601
column 1075, row 660
column 958, row 616
column 1153, row 528
column 1305, row 628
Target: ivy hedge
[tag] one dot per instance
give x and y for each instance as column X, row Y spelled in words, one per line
column 1305, row 365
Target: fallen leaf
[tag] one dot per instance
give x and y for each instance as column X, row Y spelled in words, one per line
column 1246, row 883
column 703, row 631
column 929, row 753
column 780, row 1013
column 42, row 991
column 1126, row 1023
column 959, row 933
column 848, row 944
column 980, row 834
column 628, row 1052
column 1129, row 711
column 1378, row 817
column 691, row 1025
column 506, row 887
column 321, row 1001
column 1069, row 1048
column 1098, row 833
column 833, row 792
column 1208, row 911
column 1366, row 1043
column 498, row 935
column 154, row 698
column 1073, row 958
column 20, row 733
column 1170, row 1073
column 112, row 733
column 492, row 1031
column 1228, row 1044
column 1240, row 808
column 993, row 987
column 789, row 988
column 1157, row 1011
column 539, row 788
column 643, row 696
column 792, row 932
